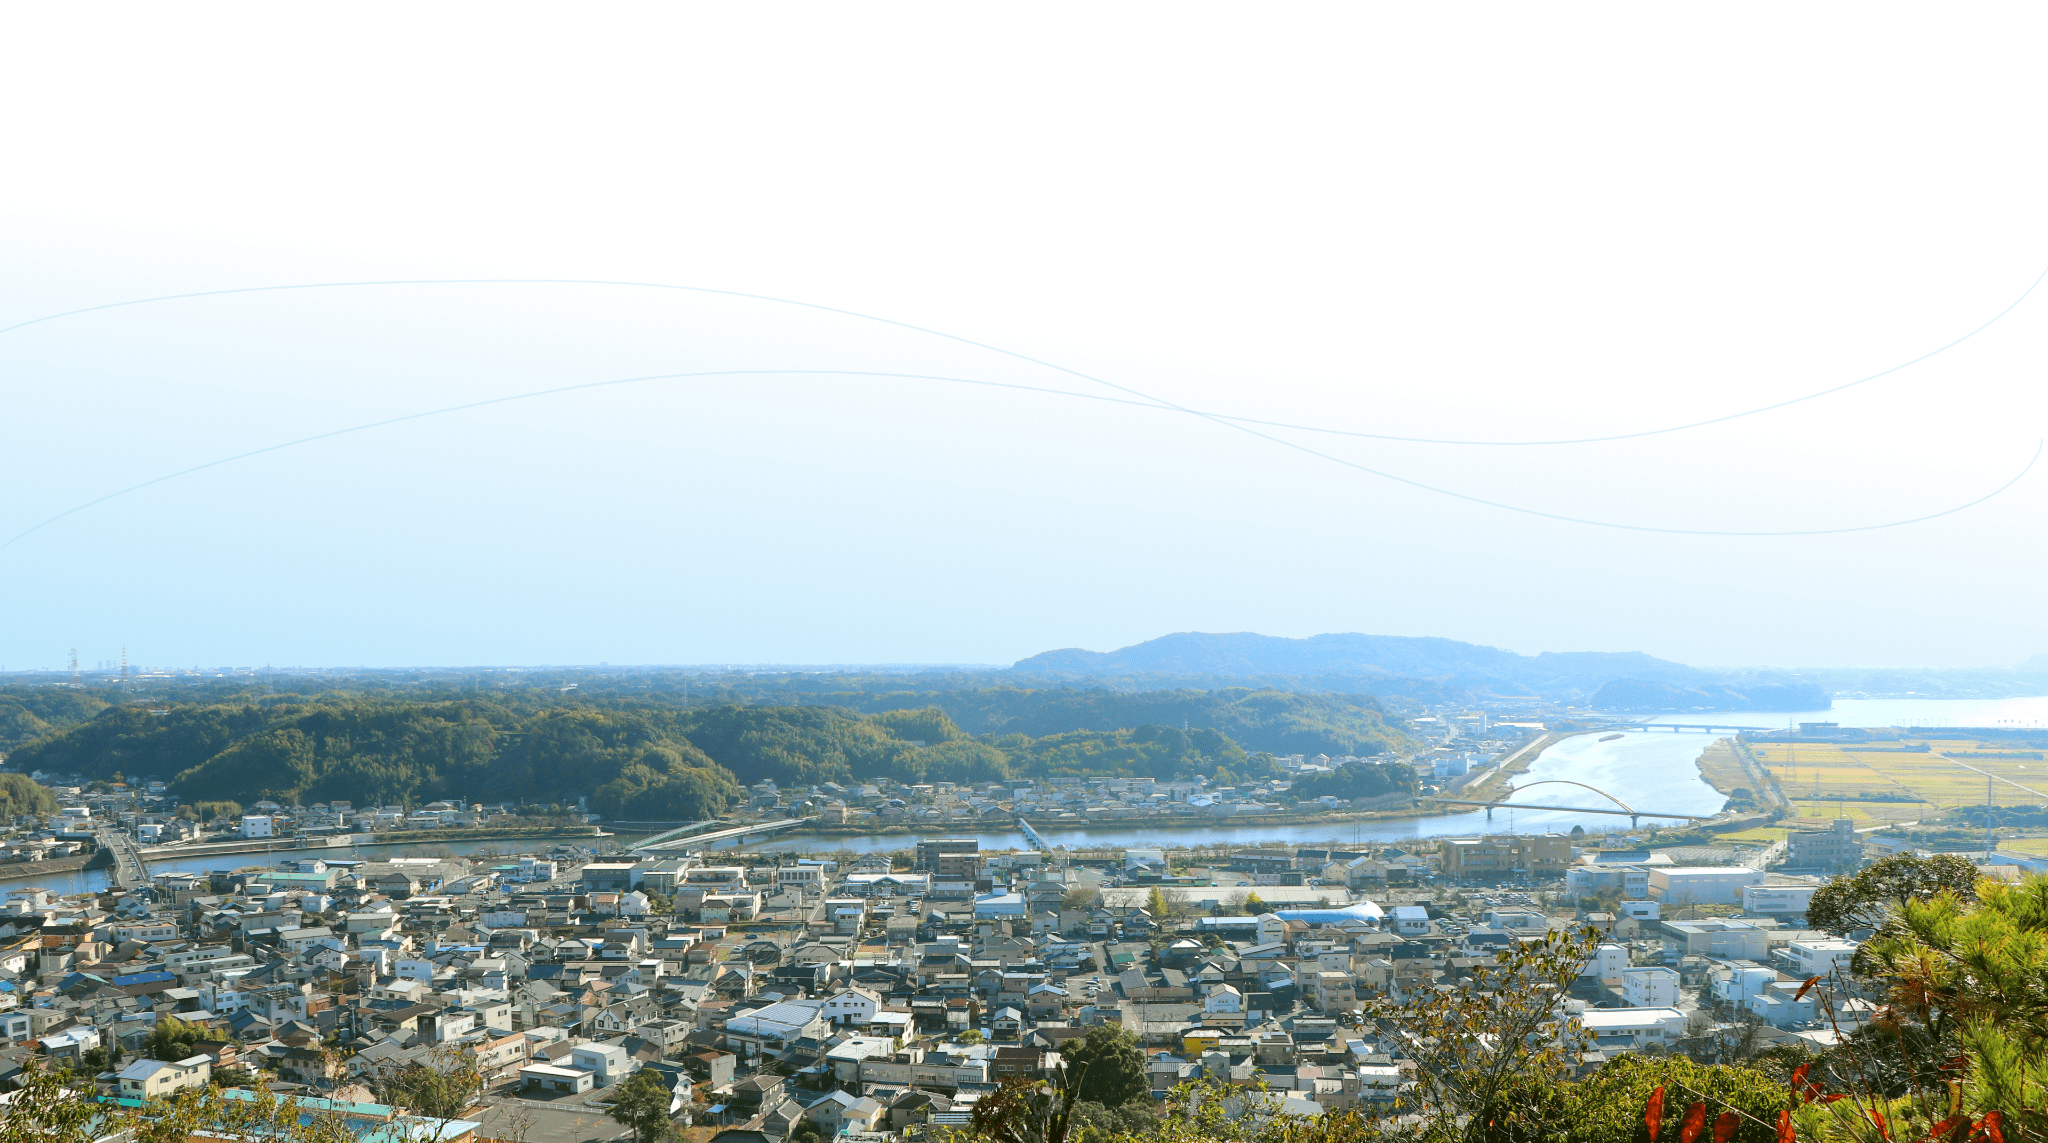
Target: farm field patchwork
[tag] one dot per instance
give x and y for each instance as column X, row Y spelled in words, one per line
column 2020, row 779
column 1871, row 785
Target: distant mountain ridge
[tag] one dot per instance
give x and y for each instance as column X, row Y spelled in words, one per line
column 1426, row 657
column 1410, row 665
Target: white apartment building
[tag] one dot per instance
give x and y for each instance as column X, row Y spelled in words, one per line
column 146, row 931
column 256, row 825
column 1744, row 984
column 1649, row 987
column 16, row 1027
column 1818, row 958
column 1608, row 962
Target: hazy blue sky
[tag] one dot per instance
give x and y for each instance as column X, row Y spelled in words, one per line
column 1480, row 223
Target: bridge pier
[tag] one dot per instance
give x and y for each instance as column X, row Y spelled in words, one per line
column 1632, row 821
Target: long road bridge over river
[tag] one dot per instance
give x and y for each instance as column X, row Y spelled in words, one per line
column 1623, row 809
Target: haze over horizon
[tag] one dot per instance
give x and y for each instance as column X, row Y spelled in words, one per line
column 1058, row 659
column 1537, row 226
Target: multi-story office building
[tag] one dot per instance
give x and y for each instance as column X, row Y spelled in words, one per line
column 1506, row 855
column 1837, row 847
column 949, row 859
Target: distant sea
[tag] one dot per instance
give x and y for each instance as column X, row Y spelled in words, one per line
column 1905, row 712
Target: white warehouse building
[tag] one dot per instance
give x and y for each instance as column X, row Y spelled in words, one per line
column 1702, row 884
column 1776, row 900
column 1624, row 1029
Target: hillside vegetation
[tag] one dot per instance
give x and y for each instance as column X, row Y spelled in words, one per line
column 1269, row 721
column 29, row 713
column 650, row 759
column 1357, row 780
column 19, row 795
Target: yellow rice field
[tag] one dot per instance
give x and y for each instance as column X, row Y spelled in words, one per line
column 1830, row 780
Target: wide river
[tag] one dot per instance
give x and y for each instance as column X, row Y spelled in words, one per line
column 1651, row 771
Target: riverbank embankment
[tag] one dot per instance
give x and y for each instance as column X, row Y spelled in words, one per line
column 1721, row 767
column 1728, row 765
column 316, row 846
column 1769, row 793
column 1495, row 782
column 55, row 867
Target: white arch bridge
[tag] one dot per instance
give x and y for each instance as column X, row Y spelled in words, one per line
column 1622, row 809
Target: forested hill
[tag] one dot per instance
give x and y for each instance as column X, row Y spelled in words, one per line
column 650, row 757
column 30, row 712
column 1277, row 722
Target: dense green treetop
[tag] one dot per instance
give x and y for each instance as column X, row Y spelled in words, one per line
column 1276, row 722
column 639, row 756
column 19, row 795
column 29, row 712
column 1875, row 896
column 642, row 1103
column 1357, row 780
column 1110, row 1064
column 1144, row 752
